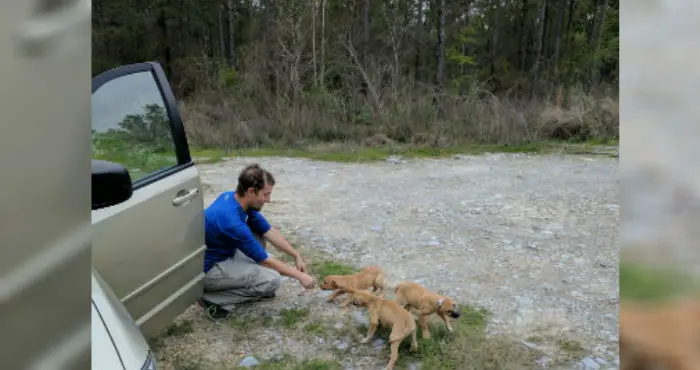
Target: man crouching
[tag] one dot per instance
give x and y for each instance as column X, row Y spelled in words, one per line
column 237, row 266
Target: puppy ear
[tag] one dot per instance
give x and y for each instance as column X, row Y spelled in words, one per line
column 334, row 285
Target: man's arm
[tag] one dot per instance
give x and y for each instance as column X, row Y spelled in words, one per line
column 242, row 238
column 275, row 237
column 259, row 225
column 248, row 245
column 282, row 268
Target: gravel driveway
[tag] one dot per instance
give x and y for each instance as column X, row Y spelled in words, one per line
column 532, row 238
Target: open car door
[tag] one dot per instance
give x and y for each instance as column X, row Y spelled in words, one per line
column 149, row 249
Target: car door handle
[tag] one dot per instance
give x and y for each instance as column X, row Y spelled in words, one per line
column 184, row 196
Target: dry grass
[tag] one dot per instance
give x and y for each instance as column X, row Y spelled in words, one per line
column 240, row 119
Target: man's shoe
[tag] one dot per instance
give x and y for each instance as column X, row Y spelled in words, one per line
column 213, row 310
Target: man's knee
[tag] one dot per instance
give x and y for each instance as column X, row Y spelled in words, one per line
column 270, row 281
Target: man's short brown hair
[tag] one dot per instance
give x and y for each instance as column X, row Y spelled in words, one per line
column 253, row 176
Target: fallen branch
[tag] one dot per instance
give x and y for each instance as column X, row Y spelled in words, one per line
column 370, row 87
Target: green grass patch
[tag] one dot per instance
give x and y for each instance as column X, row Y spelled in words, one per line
column 349, row 154
column 468, row 348
column 245, row 324
column 284, row 362
column 569, row 350
column 325, row 268
column 178, row 328
column 642, row 283
column 141, row 160
column 188, row 361
column 357, row 154
column 175, row 329
column 573, row 348
column 138, row 162
column 290, row 363
column 603, row 141
column 292, row 317
column 535, row 339
column 315, row 327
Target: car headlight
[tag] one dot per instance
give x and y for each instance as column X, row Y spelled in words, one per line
column 150, row 363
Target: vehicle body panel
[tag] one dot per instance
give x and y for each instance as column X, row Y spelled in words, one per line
column 44, row 286
column 104, row 352
column 117, row 343
column 149, row 249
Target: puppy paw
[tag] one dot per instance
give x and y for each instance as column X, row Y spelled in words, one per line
column 450, row 329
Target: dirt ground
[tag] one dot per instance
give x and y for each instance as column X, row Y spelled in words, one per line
column 527, row 243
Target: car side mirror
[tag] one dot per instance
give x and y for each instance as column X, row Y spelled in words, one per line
column 111, row 184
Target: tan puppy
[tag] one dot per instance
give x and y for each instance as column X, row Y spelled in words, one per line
column 409, row 294
column 387, row 313
column 371, row 277
column 666, row 335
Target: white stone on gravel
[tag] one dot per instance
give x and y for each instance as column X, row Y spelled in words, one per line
column 249, row 361
column 342, row 344
column 589, row 363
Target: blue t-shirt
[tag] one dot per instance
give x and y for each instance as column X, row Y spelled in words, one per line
column 229, row 228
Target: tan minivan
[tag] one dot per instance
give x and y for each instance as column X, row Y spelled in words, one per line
column 45, row 231
column 147, row 220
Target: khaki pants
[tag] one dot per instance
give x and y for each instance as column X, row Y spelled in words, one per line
column 239, row 280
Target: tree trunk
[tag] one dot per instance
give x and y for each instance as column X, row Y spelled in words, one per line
column 557, row 35
column 539, row 36
column 494, row 40
column 313, row 41
column 268, row 15
column 601, row 10
column 523, row 35
column 440, row 68
column 323, row 42
column 165, row 41
column 546, row 40
column 465, row 47
column 222, row 36
column 569, row 32
column 417, row 64
column 365, row 55
column 231, row 36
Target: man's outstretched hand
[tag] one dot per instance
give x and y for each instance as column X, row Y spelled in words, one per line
column 285, row 269
column 307, row 281
column 300, row 264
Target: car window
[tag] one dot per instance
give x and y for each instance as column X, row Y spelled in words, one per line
column 131, row 126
